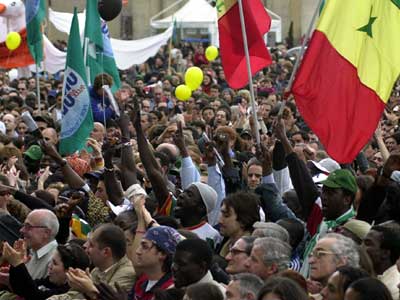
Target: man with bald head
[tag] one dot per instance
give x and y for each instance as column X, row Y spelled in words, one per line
column 50, row 135
column 10, row 124
column 169, row 149
column 39, row 231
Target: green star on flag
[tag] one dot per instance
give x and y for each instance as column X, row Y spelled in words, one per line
column 368, row 28
column 220, row 3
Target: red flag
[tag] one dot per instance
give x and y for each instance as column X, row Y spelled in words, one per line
column 348, row 72
column 257, row 23
column 20, row 57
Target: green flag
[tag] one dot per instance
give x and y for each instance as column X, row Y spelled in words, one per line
column 99, row 54
column 35, row 11
column 77, row 119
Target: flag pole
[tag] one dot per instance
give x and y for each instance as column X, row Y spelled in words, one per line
column 170, row 46
column 169, row 56
column 38, row 88
column 85, row 53
column 246, row 52
column 302, row 50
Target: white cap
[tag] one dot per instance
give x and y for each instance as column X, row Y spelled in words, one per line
column 2, row 128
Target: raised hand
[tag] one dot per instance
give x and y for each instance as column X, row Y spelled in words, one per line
column 123, row 123
column 95, row 145
column 50, row 150
column 138, row 203
column 43, row 177
column 15, row 256
column 81, row 281
column 265, row 157
column 134, row 113
column 279, row 129
column 179, row 139
column 210, row 156
column 13, row 176
column 109, row 152
column 65, row 210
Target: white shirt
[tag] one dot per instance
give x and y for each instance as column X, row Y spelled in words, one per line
column 38, row 264
column 391, row 278
column 208, row 233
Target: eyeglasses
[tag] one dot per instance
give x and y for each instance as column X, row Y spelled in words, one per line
column 28, row 226
column 320, row 253
column 234, row 251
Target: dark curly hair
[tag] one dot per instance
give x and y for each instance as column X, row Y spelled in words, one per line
column 73, row 256
column 246, row 206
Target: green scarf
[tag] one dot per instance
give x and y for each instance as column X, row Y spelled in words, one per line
column 323, row 229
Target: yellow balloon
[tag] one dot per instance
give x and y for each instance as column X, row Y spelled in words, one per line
column 211, row 53
column 13, row 40
column 183, row 92
column 193, row 78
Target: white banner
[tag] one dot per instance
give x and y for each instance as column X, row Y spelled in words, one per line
column 126, row 53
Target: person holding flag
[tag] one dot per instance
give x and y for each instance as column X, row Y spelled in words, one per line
column 100, row 102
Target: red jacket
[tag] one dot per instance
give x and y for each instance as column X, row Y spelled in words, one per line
column 139, row 290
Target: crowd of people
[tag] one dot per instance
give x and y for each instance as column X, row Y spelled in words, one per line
column 176, row 199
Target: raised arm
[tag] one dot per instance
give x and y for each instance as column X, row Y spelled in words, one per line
column 189, row 173
column 381, row 144
column 128, row 166
column 70, row 176
column 113, row 187
column 303, row 183
column 229, row 172
column 150, row 164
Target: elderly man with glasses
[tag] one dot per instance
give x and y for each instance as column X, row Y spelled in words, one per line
column 39, row 231
column 331, row 252
column 238, row 254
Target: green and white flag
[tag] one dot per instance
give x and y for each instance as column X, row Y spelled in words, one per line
column 99, row 54
column 77, row 118
column 35, row 12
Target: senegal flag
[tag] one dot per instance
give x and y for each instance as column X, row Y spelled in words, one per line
column 348, row 73
column 35, row 12
column 77, row 119
column 257, row 23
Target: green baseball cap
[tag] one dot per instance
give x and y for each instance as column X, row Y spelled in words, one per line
column 341, row 179
column 34, row 152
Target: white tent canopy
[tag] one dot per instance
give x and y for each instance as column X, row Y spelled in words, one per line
column 194, row 14
column 200, row 14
